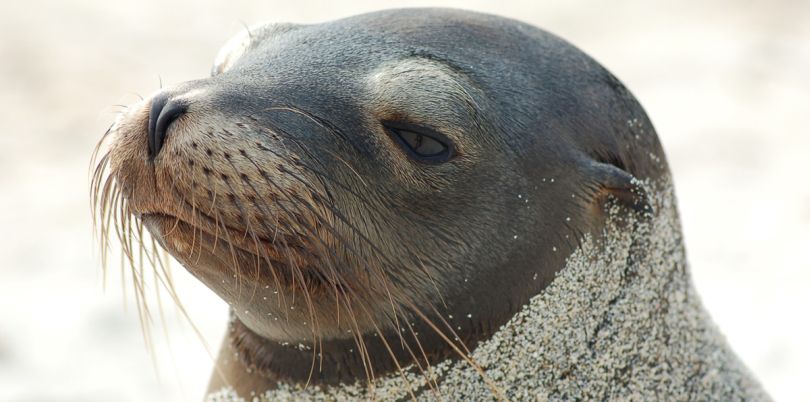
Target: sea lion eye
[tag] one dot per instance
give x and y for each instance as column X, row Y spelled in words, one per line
column 420, row 143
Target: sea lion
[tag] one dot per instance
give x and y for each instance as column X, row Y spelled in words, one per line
column 421, row 203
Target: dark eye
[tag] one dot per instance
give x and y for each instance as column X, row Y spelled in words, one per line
column 422, row 144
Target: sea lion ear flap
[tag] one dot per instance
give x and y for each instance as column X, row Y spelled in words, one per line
column 622, row 186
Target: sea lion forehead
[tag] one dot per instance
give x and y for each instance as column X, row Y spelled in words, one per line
column 385, row 34
column 439, row 24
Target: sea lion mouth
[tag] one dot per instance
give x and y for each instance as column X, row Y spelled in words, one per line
column 222, row 232
column 190, row 239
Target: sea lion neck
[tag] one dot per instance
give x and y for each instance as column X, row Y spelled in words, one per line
column 420, row 343
column 327, row 361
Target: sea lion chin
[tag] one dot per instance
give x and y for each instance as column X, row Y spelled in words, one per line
column 384, row 193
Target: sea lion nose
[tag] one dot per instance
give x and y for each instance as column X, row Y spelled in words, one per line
column 162, row 113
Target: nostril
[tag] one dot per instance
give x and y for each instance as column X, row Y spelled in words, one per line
column 161, row 115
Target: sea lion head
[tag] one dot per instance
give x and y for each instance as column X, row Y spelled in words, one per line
column 396, row 179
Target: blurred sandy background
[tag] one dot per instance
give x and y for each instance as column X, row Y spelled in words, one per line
column 726, row 83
